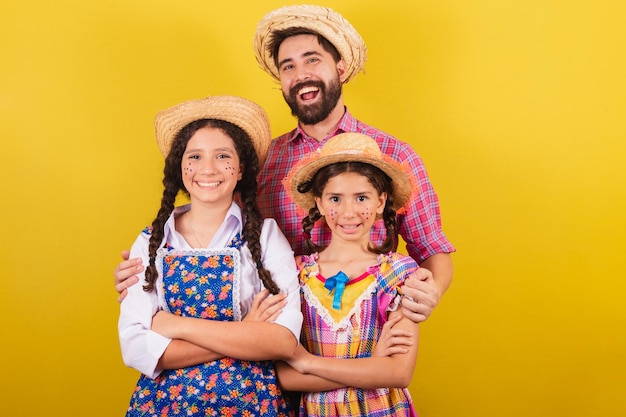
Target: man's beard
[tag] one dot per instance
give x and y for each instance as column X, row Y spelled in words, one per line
column 314, row 113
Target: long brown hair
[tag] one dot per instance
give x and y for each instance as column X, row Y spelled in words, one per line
column 246, row 188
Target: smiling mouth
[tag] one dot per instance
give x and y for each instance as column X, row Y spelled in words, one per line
column 208, row 184
column 308, row 92
column 350, row 227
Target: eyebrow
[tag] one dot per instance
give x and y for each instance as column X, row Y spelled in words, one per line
column 348, row 193
column 223, row 149
column 304, row 55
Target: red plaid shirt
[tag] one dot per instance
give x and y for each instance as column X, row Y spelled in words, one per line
column 419, row 225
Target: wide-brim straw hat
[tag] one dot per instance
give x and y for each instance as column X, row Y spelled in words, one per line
column 349, row 147
column 239, row 111
column 322, row 20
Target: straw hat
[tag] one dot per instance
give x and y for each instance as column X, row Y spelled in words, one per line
column 244, row 113
column 349, row 147
column 322, row 20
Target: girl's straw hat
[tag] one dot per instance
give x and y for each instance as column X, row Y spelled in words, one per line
column 244, row 113
column 322, row 20
column 349, row 147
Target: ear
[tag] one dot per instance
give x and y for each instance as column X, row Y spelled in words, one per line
column 240, row 176
column 319, row 205
column 341, row 70
column 382, row 201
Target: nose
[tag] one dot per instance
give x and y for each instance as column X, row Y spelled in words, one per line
column 208, row 166
column 302, row 74
column 348, row 209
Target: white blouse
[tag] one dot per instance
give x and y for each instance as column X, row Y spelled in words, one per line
column 142, row 348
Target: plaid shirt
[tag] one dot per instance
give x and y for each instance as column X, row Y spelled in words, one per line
column 419, row 225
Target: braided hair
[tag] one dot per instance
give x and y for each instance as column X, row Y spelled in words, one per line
column 379, row 180
column 246, row 189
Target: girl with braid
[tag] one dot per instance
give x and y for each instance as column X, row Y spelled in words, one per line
column 350, row 288
column 219, row 298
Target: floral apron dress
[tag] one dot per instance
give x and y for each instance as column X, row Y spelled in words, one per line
column 205, row 284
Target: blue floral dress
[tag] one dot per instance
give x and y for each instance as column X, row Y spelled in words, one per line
column 205, row 284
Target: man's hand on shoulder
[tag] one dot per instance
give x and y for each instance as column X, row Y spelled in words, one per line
column 126, row 274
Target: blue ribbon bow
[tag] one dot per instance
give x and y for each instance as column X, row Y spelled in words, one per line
column 338, row 283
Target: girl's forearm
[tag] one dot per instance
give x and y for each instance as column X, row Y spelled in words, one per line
column 366, row 373
column 180, row 354
column 242, row 340
column 291, row 380
column 395, row 371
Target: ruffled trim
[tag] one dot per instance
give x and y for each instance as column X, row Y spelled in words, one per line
column 310, row 269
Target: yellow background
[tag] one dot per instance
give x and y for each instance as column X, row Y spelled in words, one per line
column 516, row 106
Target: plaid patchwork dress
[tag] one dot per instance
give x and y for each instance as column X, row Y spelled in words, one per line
column 352, row 332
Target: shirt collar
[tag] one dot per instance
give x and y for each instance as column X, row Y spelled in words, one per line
column 233, row 224
column 345, row 124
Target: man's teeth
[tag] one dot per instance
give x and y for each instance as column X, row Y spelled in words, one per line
column 305, row 90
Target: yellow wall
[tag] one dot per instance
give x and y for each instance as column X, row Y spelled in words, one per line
column 516, row 106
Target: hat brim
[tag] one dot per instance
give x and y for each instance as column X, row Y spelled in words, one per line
column 249, row 116
column 321, row 20
column 304, row 171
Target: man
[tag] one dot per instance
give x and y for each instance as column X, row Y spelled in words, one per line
column 312, row 51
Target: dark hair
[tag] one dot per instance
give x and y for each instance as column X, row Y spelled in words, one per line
column 246, row 188
column 379, row 180
column 278, row 37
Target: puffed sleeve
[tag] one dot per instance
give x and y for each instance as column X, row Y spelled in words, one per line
column 278, row 258
column 141, row 347
column 394, row 269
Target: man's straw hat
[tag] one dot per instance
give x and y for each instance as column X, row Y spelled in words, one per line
column 244, row 113
column 349, row 147
column 322, row 20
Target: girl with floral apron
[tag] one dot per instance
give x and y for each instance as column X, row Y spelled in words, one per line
column 215, row 265
column 202, row 284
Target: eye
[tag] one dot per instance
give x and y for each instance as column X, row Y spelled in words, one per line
column 361, row 198
column 334, row 199
column 223, row 156
column 286, row 67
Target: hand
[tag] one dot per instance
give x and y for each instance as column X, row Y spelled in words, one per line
column 266, row 307
column 420, row 295
column 391, row 340
column 165, row 324
column 125, row 274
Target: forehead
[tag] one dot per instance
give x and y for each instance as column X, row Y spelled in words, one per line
column 210, row 138
column 298, row 45
column 349, row 183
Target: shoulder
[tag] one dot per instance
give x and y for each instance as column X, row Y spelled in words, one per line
column 396, row 267
column 272, row 237
column 281, row 140
column 396, row 259
column 307, row 267
column 389, row 144
column 304, row 261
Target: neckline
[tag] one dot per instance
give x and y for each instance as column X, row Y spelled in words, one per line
column 350, row 281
